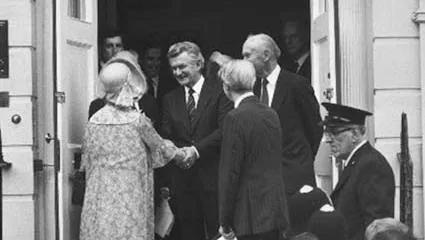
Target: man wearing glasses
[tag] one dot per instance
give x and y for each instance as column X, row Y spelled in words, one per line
column 365, row 190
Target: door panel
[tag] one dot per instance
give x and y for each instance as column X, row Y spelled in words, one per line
column 76, row 73
column 323, row 79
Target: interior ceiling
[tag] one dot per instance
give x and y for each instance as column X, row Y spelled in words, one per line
column 237, row 19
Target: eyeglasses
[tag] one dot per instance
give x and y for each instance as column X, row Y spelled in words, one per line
column 330, row 133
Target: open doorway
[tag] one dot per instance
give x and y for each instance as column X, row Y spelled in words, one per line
column 214, row 25
column 219, row 25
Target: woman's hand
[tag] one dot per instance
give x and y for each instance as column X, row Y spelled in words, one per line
column 180, row 155
column 169, row 150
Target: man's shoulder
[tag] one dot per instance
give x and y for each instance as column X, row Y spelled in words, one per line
column 172, row 93
column 252, row 108
column 292, row 78
column 213, row 82
column 296, row 83
column 373, row 158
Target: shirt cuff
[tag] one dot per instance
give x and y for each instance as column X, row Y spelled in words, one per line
column 196, row 151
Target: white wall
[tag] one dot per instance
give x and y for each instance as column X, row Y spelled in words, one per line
column 18, row 139
column 397, row 89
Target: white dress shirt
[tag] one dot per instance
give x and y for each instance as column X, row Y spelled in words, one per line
column 272, row 79
column 155, row 82
column 197, row 91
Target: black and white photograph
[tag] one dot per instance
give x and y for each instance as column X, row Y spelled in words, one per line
column 212, row 120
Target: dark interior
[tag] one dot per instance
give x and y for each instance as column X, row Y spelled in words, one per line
column 215, row 25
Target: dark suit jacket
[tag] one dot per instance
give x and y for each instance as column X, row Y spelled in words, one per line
column 204, row 134
column 252, row 198
column 305, row 69
column 299, row 115
column 365, row 190
column 166, row 84
column 288, row 64
column 147, row 104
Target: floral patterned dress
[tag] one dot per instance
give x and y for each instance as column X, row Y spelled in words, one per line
column 120, row 150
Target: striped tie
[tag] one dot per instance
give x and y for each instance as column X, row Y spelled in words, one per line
column 191, row 105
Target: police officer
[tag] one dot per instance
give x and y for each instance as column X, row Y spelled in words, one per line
column 365, row 190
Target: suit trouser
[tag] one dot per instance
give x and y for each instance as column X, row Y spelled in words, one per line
column 197, row 212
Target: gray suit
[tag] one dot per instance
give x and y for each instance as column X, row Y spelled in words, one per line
column 252, row 198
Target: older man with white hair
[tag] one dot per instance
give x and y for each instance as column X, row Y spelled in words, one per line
column 252, row 199
column 293, row 99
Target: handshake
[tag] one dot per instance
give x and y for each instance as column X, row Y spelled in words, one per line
column 184, row 157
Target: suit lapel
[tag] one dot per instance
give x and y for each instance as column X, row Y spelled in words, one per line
column 181, row 110
column 280, row 90
column 204, row 98
column 343, row 178
column 349, row 168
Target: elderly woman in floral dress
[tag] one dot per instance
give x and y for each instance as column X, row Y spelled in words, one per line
column 120, row 151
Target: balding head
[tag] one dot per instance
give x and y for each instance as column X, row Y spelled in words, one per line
column 262, row 51
column 265, row 43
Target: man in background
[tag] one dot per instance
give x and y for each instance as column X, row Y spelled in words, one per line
column 296, row 41
column 293, row 99
column 152, row 62
column 112, row 42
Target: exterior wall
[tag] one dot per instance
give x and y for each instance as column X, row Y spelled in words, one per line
column 18, row 139
column 397, row 89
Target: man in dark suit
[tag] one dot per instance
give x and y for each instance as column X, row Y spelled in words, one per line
column 160, row 83
column 296, row 39
column 293, row 99
column 252, row 199
column 365, row 189
column 192, row 117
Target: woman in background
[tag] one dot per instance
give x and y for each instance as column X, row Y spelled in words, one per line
column 120, row 151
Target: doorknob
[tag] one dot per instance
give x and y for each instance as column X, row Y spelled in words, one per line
column 48, row 138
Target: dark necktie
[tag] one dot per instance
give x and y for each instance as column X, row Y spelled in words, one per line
column 264, row 93
column 151, row 90
column 191, row 105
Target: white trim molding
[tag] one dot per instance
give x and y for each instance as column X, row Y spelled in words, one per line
column 419, row 18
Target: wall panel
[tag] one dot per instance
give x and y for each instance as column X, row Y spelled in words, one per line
column 18, row 215
column 389, row 105
column 19, row 15
column 396, row 63
column 393, row 18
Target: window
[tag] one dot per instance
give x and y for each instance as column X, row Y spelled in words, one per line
column 77, row 9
